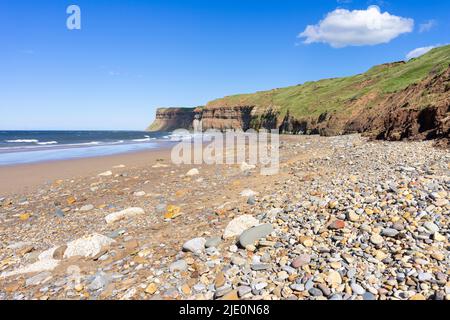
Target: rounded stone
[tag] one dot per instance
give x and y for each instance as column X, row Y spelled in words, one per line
column 239, row 225
column 376, row 239
column 301, row 260
column 195, row 245
column 250, row 236
column 212, row 242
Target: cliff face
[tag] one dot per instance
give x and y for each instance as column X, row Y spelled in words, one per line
column 421, row 111
column 393, row 101
column 221, row 118
column 169, row 119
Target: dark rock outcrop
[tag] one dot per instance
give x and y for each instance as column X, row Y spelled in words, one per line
column 169, row 119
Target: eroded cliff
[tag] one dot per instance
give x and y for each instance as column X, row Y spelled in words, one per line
column 393, row 101
column 169, row 119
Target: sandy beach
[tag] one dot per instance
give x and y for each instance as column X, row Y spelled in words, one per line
column 345, row 218
column 27, row 177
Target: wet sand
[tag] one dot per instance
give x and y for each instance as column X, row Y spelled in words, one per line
column 25, row 178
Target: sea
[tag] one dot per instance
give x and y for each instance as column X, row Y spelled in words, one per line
column 20, row 147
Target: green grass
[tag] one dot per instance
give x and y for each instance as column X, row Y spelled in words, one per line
column 337, row 95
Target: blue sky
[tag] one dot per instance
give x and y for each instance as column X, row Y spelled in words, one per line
column 133, row 56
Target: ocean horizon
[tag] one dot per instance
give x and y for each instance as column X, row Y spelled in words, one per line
column 31, row 146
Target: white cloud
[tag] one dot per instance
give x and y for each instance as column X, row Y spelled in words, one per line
column 427, row 26
column 342, row 28
column 418, row 52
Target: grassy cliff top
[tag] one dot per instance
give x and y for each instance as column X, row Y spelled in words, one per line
column 335, row 95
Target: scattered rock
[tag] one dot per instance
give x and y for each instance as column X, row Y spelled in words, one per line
column 105, row 174
column 336, row 225
column 431, row 227
column 179, row 265
column 172, row 212
column 251, row 235
column 388, row 232
column 195, row 245
column 357, row 289
column 192, row 172
column 301, row 260
column 376, row 239
column 239, row 225
column 88, row 246
column 117, row 216
column 87, row 207
column 212, row 242
column 333, row 278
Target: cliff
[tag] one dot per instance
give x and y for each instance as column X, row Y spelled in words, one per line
column 221, row 118
column 169, row 119
column 393, row 101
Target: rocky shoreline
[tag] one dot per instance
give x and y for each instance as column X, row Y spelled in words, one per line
column 346, row 218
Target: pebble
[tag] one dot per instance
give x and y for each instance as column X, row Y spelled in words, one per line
column 325, row 290
column 352, row 216
column 212, row 242
column 105, row 174
column 260, row 266
column 179, row 265
column 192, row 172
column 243, row 290
column 315, row 292
column 376, row 239
column 388, row 232
column 431, row 227
column 238, row 225
column 333, row 278
column 59, row 213
column 127, row 213
column 195, row 245
column 151, row 288
column 336, row 225
column 357, row 289
column 87, row 207
column 301, row 260
column 237, row 260
column 424, row 276
column 368, row 296
column 250, row 236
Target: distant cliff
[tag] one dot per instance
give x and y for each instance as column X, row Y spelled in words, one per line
column 169, row 119
column 393, row 101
